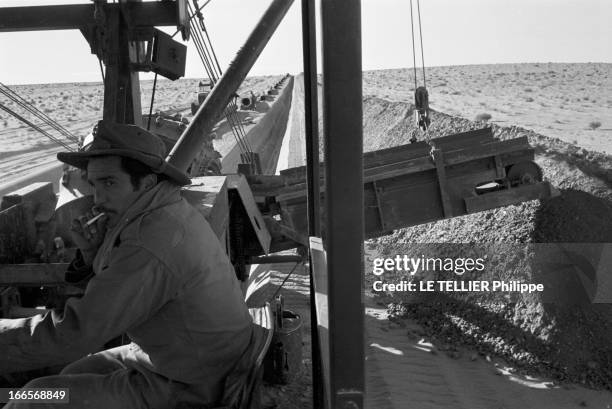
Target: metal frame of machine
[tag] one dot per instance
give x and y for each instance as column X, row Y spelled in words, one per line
column 247, row 207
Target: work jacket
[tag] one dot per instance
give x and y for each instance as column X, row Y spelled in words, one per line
column 162, row 277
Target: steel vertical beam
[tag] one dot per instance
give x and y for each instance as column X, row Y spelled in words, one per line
column 311, row 118
column 311, row 112
column 343, row 133
column 121, row 83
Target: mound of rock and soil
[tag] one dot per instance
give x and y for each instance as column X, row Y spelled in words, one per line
column 565, row 340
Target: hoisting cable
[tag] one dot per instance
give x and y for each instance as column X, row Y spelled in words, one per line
column 235, row 131
column 16, row 98
column 421, row 36
column 152, row 100
column 413, row 47
column 205, row 51
column 35, row 127
column 20, row 101
column 155, row 80
column 421, row 96
column 213, row 76
column 285, row 280
column 101, row 70
column 203, row 28
column 214, row 72
column 207, row 55
column 208, row 67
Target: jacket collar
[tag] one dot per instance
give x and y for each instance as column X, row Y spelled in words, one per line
column 162, row 194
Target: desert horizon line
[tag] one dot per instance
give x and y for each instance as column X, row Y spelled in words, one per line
column 99, row 82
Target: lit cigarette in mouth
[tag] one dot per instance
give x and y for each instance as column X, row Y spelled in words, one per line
column 93, row 220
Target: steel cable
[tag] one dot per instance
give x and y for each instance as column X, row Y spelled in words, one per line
column 212, row 75
column 285, row 280
column 214, row 72
column 35, row 127
column 207, row 55
column 421, row 35
column 16, row 98
column 35, row 111
column 207, row 66
column 203, row 28
column 210, row 56
column 101, row 70
column 413, row 47
column 152, row 100
column 413, row 44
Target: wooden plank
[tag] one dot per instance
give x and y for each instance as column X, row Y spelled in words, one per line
column 421, row 164
column 464, row 139
column 370, row 159
column 400, row 160
column 406, row 204
column 491, row 149
column 507, row 197
column 394, row 192
column 399, row 168
column 410, row 167
column 406, row 152
column 400, row 201
column 39, row 274
column 395, row 154
column 476, row 134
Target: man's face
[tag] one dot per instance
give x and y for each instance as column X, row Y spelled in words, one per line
column 113, row 189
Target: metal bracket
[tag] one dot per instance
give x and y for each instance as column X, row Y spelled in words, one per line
column 163, row 55
column 378, row 192
column 499, row 167
column 438, row 157
column 239, row 183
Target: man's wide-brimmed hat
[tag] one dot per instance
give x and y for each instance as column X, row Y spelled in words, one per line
column 130, row 141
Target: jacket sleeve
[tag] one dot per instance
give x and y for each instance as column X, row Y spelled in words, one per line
column 133, row 287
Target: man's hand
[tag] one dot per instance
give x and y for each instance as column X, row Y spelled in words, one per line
column 88, row 236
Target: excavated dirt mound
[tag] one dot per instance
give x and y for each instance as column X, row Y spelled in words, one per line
column 565, row 341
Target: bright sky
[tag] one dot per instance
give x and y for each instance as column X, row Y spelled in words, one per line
column 455, row 32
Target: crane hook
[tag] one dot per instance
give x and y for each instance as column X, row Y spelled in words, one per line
column 421, row 112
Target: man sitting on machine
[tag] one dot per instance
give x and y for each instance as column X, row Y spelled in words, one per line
column 159, row 274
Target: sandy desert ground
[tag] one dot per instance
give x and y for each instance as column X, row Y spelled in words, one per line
column 77, row 107
column 553, row 99
column 553, row 105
